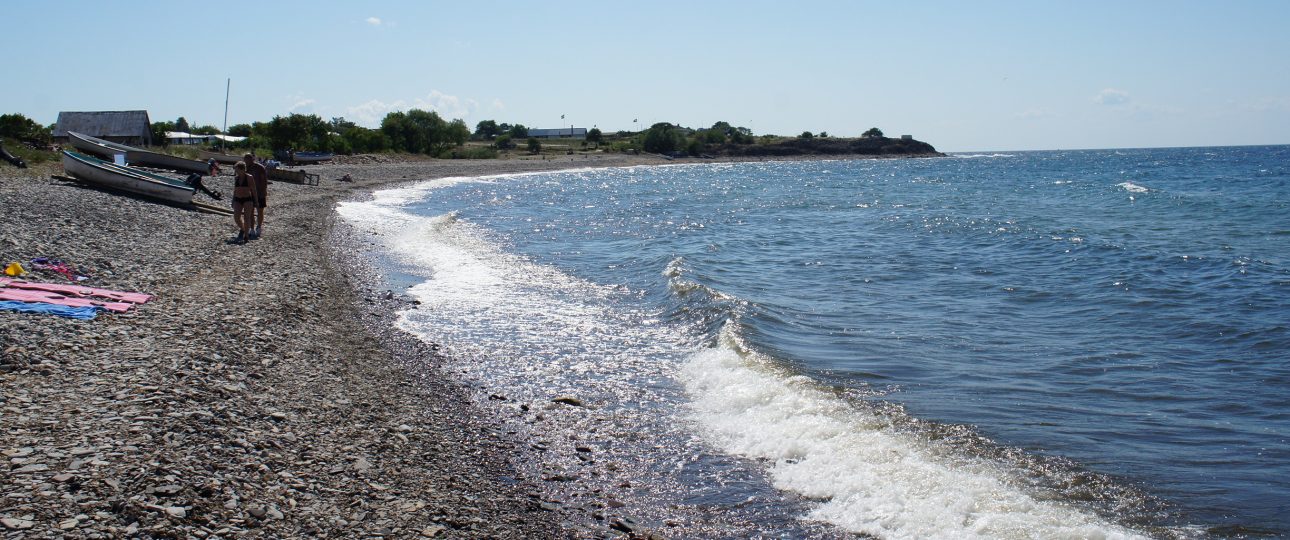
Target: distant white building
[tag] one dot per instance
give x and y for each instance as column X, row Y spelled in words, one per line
column 179, row 137
column 559, row 133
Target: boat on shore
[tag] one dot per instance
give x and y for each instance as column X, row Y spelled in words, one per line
column 12, row 159
column 166, row 161
column 119, row 177
column 298, row 176
column 97, row 146
column 310, row 157
column 135, row 156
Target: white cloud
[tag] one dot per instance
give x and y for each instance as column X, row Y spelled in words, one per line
column 1111, row 96
column 374, row 21
column 497, row 106
column 449, row 107
column 370, row 114
column 302, row 105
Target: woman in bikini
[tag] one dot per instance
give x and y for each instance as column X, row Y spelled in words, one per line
column 244, row 196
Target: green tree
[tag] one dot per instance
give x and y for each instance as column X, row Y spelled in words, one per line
column 662, row 138
column 595, row 136
column 159, row 130
column 293, row 132
column 718, row 133
column 806, row 135
column 518, row 131
column 240, row 130
column 182, row 125
column 394, row 127
column 872, row 132
column 742, row 135
column 365, row 140
column 535, row 145
column 503, row 141
column 17, row 126
column 458, row 133
column 340, row 125
column 487, row 130
column 428, row 127
column 423, row 132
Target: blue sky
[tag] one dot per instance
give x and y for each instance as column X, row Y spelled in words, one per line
column 964, row 76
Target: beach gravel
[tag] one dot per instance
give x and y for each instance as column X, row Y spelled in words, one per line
column 263, row 392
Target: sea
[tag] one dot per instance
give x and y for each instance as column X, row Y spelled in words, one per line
column 1040, row 344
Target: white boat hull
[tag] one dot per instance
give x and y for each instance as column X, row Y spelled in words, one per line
column 120, row 178
column 135, row 156
column 98, row 147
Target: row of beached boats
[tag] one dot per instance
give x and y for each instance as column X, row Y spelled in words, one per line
column 298, row 158
column 115, row 166
column 115, row 170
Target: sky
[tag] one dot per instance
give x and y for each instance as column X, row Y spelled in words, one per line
column 963, row 76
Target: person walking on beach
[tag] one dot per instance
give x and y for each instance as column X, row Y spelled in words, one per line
column 212, row 167
column 261, row 177
column 244, row 199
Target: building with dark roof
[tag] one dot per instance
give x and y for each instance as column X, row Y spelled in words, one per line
column 125, row 127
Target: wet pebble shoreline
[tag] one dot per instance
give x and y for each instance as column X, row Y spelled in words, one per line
column 262, row 393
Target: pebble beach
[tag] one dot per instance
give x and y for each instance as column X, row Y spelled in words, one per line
column 262, row 392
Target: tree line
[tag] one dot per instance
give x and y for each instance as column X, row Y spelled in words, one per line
column 425, row 132
column 414, row 132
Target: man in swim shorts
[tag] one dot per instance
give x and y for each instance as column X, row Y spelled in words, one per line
column 260, row 175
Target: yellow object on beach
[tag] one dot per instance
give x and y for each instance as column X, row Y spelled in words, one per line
column 14, row 269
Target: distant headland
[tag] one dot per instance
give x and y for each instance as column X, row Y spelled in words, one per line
column 833, row 146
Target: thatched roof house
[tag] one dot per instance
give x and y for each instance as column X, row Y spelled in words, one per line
column 125, row 127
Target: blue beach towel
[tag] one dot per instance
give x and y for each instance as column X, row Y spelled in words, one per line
column 83, row 313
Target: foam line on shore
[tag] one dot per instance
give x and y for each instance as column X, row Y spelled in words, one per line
column 872, row 478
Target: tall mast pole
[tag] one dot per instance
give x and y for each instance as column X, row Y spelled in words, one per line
column 227, row 84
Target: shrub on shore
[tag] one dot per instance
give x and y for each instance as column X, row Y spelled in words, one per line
column 24, row 151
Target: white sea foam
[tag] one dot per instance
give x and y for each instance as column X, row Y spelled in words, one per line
column 873, row 479
column 476, row 292
column 973, row 156
column 1132, row 187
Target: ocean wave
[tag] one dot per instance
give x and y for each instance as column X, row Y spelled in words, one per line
column 973, row 156
column 1132, row 187
column 873, row 477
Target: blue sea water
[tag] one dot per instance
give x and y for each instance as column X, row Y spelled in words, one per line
column 1013, row 345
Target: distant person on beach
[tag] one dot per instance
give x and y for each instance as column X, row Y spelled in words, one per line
column 212, row 166
column 261, row 176
column 244, row 198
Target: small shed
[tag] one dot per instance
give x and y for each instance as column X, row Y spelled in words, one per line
column 125, row 127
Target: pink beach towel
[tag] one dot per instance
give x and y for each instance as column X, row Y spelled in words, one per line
column 133, row 297
column 55, row 298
